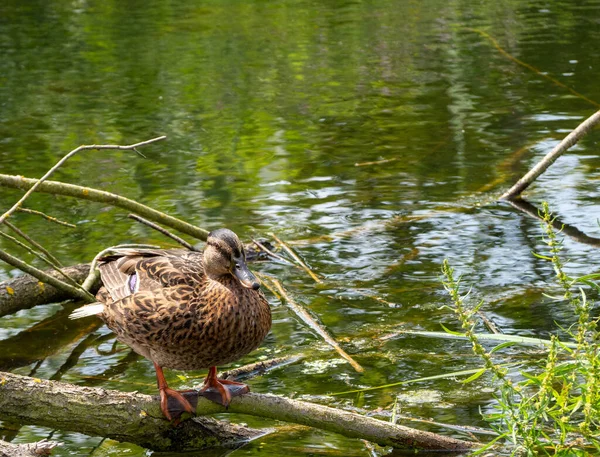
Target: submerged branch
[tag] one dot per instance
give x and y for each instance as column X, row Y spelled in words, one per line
column 88, row 193
column 570, row 140
column 136, row 418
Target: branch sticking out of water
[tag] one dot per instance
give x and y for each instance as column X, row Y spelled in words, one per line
column 44, row 277
column 570, row 140
column 16, row 206
column 296, row 258
column 313, row 324
column 88, row 193
column 46, row 216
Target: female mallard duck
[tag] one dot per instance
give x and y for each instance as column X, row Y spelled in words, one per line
column 184, row 310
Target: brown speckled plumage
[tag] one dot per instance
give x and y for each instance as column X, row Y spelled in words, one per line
column 182, row 309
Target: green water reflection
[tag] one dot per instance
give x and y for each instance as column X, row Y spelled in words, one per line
column 268, row 108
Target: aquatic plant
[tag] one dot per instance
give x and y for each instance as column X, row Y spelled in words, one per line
column 553, row 409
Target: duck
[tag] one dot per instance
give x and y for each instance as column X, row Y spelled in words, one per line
column 184, row 310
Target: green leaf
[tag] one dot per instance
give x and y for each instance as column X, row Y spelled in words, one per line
column 474, row 376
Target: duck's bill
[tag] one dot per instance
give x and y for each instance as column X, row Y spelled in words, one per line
column 246, row 277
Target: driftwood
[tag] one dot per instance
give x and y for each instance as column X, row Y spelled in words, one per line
column 137, row 418
column 39, row 449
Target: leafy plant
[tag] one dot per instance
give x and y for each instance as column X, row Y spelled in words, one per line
column 554, row 410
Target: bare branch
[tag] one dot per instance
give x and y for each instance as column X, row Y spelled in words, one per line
column 64, row 159
column 136, row 418
column 46, row 216
column 165, row 232
column 88, row 193
column 313, row 324
column 570, row 140
column 34, row 243
column 296, row 258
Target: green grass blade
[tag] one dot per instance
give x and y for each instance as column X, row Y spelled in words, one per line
column 501, row 337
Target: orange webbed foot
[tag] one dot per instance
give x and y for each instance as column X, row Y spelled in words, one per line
column 221, row 391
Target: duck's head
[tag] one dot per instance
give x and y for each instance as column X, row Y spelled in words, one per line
column 224, row 254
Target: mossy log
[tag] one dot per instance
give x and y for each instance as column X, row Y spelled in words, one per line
column 26, row 292
column 137, row 418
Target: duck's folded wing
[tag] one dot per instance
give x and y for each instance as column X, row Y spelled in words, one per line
column 129, row 271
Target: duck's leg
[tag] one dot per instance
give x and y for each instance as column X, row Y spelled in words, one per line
column 166, row 392
column 221, row 390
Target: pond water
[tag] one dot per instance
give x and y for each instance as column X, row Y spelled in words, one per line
column 373, row 136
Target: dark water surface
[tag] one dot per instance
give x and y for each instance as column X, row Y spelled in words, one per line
column 268, row 108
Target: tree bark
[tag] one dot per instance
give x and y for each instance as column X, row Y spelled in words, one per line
column 137, row 418
column 26, row 291
column 39, row 449
column 121, row 416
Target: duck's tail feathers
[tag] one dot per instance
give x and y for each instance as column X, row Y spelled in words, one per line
column 87, row 310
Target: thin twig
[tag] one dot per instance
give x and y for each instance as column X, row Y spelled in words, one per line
column 313, row 324
column 162, row 230
column 39, row 255
column 296, row 258
column 39, row 274
column 488, row 323
column 32, row 242
column 254, row 369
column 271, row 253
column 88, row 193
column 64, row 159
column 46, row 216
column 570, row 140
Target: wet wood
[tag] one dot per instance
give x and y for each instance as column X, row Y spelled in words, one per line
column 122, row 416
column 136, row 418
column 41, row 448
column 25, row 292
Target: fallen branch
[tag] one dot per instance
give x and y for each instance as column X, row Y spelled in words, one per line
column 569, row 230
column 58, row 164
column 313, row 324
column 73, row 292
column 26, row 291
column 88, row 193
column 39, row 449
column 136, row 418
column 296, row 258
column 570, row 140
column 259, row 368
column 165, row 232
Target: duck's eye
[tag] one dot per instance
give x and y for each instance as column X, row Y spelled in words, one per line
column 237, row 266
